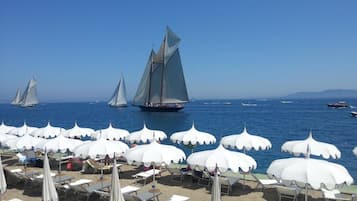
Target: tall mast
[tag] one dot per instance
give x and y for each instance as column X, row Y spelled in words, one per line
column 162, row 71
column 152, row 61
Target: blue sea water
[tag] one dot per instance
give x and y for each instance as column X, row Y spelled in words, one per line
column 269, row 118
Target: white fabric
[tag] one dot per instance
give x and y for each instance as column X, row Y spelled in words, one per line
column 216, row 189
column 298, row 147
column 78, row 132
column 3, row 184
column 178, row 198
column 21, row 131
column 49, row 192
column 193, row 137
column 115, row 191
column 4, row 137
column 111, row 133
column 25, row 142
column 146, row 135
column 316, row 173
column 223, row 158
column 47, row 131
column 154, row 153
column 59, row 143
column 100, row 148
column 246, row 141
column 4, row 129
column 355, row 151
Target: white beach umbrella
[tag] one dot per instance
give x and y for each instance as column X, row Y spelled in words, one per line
column 355, row 151
column 47, row 131
column 222, row 158
column 25, row 142
column 78, row 132
column 115, row 190
column 101, row 148
column 49, row 192
column 4, row 129
column 146, row 135
column 246, row 141
column 3, row 184
column 216, row 188
column 110, row 133
column 4, row 137
column 59, row 143
column 298, row 147
column 309, row 172
column 21, row 131
column 193, row 137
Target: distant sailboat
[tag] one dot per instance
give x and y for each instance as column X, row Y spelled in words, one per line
column 29, row 97
column 17, row 99
column 163, row 87
column 119, row 97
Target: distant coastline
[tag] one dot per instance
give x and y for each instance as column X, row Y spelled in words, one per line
column 330, row 93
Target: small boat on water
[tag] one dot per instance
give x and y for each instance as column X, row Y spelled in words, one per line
column 118, row 98
column 249, row 104
column 286, row 102
column 339, row 104
column 354, row 113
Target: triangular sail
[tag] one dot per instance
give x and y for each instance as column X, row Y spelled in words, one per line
column 17, row 99
column 119, row 97
column 29, row 97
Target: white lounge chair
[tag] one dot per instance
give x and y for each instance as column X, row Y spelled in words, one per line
column 146, row 174
column 129, row 189
column 15, row 199
column 334, row 195
column 80, row 182
column 265, row 183
column 178, row 198
column 287, row 192
column 146, row 196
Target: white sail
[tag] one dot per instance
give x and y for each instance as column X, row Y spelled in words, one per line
column 119, row 97
column 163, row 81
column 17, row 99
column 29, row 98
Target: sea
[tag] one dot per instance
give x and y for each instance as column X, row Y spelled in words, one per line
column 269, row 118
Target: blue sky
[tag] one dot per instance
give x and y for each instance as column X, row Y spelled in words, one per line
column 230, row 49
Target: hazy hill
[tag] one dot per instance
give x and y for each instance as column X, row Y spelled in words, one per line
column 331, row 93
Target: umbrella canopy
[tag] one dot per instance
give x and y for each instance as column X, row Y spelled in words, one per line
column 216, row 188
column 193, row 137
column 47, row 131
column 111, row 133
column 355, row 151
column 4, row 129
column 4, row 137
column 246, row 141
column 298, row 147
column 25, row 142
column 49, row 192
column 115, row 190
column 78, row 132
column 101, row 148
column 3, row 184
column 21, row 131
column 154, row 153
column 314, row 172
column 60, row 143
column 223, row 158
column 146, row 135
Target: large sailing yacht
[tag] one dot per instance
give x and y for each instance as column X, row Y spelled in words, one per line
column 162, row 87
column 17, row 99
column 29, row 97
column 119, row 96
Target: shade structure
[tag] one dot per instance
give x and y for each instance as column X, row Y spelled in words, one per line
column 355, row 151
column 246, row 141
column 100, row 148
column 298, row 147
column 146, row 135
column 59, row 143
column 25, row 142
column 223, row 158
column 4, row 129
column 115, row 190
column 216, row 188
column 49, row 192
column 78, row 132
column 22, row 130
column 111, row 133
column 193, row 137
column 47, row 132
column 3, row 185
column 4, row 137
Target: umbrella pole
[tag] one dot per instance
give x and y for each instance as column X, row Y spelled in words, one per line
column 306, row 192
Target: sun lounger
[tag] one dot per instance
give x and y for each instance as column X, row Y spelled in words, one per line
column 334, row 195
column 18, row 170
column 227, row 183
column 146, row 196
column 146, row 174
column 288, row 192
column 178, row 198
column 176, row 173
column 15, row 199
column 129, row 189
column 62, row 179
column 265, row 183
column 80, row 182
column 41, row 175
column 92, row 166
column 98, row 186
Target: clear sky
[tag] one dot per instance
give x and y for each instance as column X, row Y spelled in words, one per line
column 229, row 49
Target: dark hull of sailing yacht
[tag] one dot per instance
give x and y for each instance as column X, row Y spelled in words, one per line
column 161, row 108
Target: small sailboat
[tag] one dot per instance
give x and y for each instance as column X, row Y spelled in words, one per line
column 29, row 97
column 119, row 97
column 162, row 87
column 17, row 99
